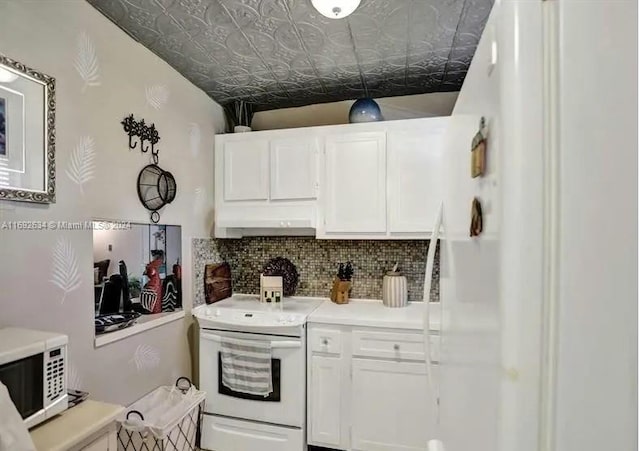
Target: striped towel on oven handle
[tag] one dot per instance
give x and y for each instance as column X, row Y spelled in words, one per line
column 246, row 366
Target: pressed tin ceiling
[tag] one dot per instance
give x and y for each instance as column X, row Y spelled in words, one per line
column 283, row 53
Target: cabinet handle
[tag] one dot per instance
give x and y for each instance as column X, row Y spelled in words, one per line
column 396, row 347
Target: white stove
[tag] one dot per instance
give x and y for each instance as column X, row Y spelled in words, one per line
column 239, row 421
column 246, row 313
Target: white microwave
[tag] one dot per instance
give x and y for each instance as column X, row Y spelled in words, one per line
column 33, row 367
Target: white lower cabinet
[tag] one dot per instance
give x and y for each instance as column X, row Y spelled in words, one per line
column 389, row 406
column 368, row 389
column 241, row 435
column 325, row 419
column 106, row 442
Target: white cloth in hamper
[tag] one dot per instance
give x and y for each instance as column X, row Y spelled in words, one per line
column 246, row 366
column 14, row 435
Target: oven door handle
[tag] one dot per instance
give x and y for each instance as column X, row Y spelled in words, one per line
column 280, row 344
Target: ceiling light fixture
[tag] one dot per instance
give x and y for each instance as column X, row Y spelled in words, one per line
column 335, row 9
column 7, row 76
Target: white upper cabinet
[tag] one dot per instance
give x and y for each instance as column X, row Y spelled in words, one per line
column 355, row 188
column 246, row 170
column 414, row 175
column 294, row 169
column 380, row 180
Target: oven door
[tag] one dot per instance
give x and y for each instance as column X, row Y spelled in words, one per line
column 285, row 405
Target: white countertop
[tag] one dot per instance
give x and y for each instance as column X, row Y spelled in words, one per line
column 74, row 425
column 373, row 313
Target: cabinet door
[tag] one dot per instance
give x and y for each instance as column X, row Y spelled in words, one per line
column 106, row 442
column 324, row 400
column 355, row 179
column 294, row 173
column 381, row 390
column 415, row 179
column 246, row 170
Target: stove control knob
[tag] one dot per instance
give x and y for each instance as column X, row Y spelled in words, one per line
column 282, row 319
column 217, row 312
column 292, row 318
column 207, row 312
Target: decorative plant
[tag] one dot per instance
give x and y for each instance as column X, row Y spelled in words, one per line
column 135, row 286
column 239, row 112
column 345, row 272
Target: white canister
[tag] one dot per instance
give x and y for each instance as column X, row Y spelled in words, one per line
column 394, row 289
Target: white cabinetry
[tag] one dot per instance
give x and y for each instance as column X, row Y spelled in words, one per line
column 368, row 389
column 246, row 166
column 383, row 183
column 355, row 183
column 414, row 174
column 265, row 181
column 324, row 425
column 294, row 169
column 389, row 405
column 106, row 442
column 379, row 180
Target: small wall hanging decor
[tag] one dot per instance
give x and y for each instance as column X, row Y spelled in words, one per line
column 144, row 133
column 476, row 218
column 156, row 188
column 478, row 151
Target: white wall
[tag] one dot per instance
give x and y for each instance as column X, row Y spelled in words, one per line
column 596, row 406
column 44, row 35
column 393, row 108
column 126, row 245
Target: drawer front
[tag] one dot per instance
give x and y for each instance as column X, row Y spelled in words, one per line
column 391, row 345
column 328, row 341
column 229, row 434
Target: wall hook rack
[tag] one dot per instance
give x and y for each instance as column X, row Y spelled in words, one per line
column 145, row 133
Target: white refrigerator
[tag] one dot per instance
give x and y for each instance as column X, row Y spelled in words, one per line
column 539, row 313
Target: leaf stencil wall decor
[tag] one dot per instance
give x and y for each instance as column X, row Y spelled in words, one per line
column 198, row 200
column 146, row 357
column 86, row 61
column 81, row 164
column 65, row 274
column 194, row 139
column 157, row 96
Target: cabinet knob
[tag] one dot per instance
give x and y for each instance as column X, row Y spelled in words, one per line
column 325, row 341
column 396, row 347
column 288, row 224
column 281, row 223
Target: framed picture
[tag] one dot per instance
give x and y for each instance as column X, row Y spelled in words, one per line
column 3, row 126
column 27, row 133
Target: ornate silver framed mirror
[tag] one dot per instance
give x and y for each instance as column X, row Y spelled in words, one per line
column 27, row 133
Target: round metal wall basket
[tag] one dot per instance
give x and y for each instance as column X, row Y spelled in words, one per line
column 156, row 188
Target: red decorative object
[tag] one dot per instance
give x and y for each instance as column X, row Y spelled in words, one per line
column 152, row 271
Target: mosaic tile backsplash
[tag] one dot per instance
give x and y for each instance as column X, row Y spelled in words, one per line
column 317, row 263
